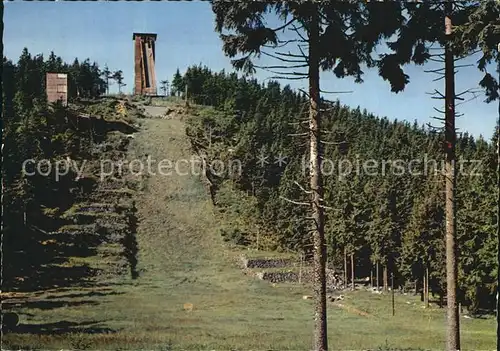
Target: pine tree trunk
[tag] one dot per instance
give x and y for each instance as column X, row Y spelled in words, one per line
column 378, row 277
column 300, row 269
column 422, row 293
column 498, row 213
column 386, row 282
column 427, row 287
column 352, row 271
column 392, row 294
column 371, row 277
column 453, row 322
column 320, row 328
column 258, row 235
column 345, row 268
column 424, row 288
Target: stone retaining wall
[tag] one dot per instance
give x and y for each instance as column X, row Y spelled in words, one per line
column 267, row 262
column 279, row 277
column 333, row 281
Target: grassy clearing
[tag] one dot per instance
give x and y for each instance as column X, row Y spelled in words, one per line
column 182, row 260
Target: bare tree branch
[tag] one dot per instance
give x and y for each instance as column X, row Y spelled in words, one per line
column 302, row 188
column 434, row 60
column 296, row 30
column 284, row 59
column 290, row 41
column 289, row 54
column 298, row 123
column 295, row 202
column 468, row 91
column 461, row 66
column 285, row 25
column 305, row 92
column 333, row 143
column 327, row 109
column 434, row 128
column 301, row 51
column 437, row 118
column 438, row 93
column 281, row 67
column 438, row 70
column 437, row 55
column 475, row 96
column 337, row 92
column 293, row 73
column 286, row 78
column 282, row 43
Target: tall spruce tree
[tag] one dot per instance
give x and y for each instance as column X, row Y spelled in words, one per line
column 482, row 30
column 425, row 26
column 337, row 36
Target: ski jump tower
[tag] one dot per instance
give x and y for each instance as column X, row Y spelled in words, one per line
column 145, row 76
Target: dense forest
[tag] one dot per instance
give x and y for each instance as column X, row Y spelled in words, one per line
column 390, row 216
column 33, row 205
column 32, row 131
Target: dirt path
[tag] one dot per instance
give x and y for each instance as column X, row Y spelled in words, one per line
column 173, row 210
column 154, row 111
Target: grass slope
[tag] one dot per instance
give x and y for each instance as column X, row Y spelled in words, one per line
column 182, row 260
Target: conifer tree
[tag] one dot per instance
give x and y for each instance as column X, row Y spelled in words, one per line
column 107, row 75
column 177, row 83
column 338, row 37
column 118, row 77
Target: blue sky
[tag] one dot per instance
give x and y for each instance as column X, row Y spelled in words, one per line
column 103, row 31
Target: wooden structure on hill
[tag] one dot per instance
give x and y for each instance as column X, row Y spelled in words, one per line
column 145, row 75
column 57, row 87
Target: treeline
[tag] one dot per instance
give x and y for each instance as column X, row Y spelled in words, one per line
column 34, row 131
column 24, row 81
column 385, row 212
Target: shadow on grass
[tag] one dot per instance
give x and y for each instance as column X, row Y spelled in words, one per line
column 87, row 294
column 47, row 305
column 42, row 262
column 483, row 314
column 52, row 276
column 62, row 327
column 55, row 301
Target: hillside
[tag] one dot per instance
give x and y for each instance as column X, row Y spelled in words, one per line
column 180, row 258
